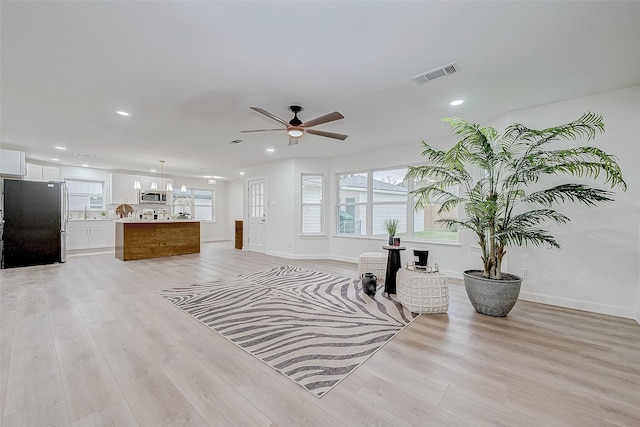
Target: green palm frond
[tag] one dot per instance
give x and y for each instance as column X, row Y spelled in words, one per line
column 536, row 237
column 497, row 204
column 570, row 193
column 535, row 217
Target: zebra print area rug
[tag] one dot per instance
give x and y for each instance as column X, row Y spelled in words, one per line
column 314, row 328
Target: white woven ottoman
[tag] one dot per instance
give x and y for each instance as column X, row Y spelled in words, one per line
column 422, row 292
column 373, row 262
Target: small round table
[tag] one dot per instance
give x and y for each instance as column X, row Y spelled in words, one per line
column 393, row 265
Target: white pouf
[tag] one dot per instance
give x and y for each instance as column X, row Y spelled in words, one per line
column 373, row 262
column 421, row 292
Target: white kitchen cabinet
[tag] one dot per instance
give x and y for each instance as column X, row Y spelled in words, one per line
column 50, row 173
column 42, row 173
column 90, row 234
column 122, row 189
column 12, row 162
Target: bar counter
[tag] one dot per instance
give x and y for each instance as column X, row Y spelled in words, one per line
column 142, row 239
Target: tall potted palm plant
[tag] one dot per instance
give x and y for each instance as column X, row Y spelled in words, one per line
column 497, row 180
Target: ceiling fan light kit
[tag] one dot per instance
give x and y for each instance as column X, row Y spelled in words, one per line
column 296, row 128
column 295, row 132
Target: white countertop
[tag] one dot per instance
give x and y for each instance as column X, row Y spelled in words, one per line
column 154, row 221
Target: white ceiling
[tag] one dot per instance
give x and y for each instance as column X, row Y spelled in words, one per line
column 189, row 71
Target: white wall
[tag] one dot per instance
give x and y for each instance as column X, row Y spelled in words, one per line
column 279, row 213
column 234, row 206
column 282, row 181
column 598, row 266
column 308, row 246
column 638, row 300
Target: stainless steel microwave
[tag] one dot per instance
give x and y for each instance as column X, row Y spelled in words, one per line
column 153, row 197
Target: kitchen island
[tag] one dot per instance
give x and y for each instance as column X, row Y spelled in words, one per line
column 156, row 238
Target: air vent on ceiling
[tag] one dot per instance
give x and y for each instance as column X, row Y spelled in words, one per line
column 423, row 78
column 235, row 141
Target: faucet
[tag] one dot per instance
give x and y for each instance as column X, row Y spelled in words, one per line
column 86, row 214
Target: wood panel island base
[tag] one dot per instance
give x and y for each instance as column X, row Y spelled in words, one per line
column 152, row 239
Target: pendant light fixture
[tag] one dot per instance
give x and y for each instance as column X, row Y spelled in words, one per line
column 169, row 187
column 183, row 188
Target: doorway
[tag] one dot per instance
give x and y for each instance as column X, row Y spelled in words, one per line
column 256, row 215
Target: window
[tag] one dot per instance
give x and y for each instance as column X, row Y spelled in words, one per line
column 389, row 194
column 352, row 203
column 87, row 195
column 196, row 204
column 312, row 188
column 374, row 196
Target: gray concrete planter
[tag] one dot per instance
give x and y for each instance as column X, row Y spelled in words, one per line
column 489, row 296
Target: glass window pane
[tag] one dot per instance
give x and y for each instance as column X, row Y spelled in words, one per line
column 353, row 186
column 425, row 227
column 311, row 219
column 352, row 219
column 384, row 212
column 203, row 213
column 85, row 195
column 311, row 188
column 388, row 185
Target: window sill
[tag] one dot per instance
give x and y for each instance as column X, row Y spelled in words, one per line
column 402, row 241
column 312, row 235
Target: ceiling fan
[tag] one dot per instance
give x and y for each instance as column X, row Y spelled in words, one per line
column 296, row 128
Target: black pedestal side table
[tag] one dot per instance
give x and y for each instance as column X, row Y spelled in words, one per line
column 393, row 265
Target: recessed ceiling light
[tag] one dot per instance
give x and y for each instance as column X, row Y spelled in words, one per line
column 85, row 166
column 123, row 113
column 241, row 173
column 59, row 148
column 457, row 102
column 152, row 170
column 271, row 150
column 55, row 160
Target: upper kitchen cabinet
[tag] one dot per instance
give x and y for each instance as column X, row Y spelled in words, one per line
column 12, row 162
column 123, row 189
column 42, row 173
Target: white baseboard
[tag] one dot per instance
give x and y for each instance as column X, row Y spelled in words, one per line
column 343, row 258
column 581, row 305
column 280, row 254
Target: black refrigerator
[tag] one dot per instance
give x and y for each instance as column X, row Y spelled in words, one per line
column 35, row 219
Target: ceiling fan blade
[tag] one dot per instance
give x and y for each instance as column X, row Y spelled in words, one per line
column 327, row 134
column 268, row 114
column 259, row 130
column 323, row 119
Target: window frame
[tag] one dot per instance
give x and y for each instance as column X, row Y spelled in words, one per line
column 366, row 204
column 91, row 181
column 192, row 206
column 409, row 220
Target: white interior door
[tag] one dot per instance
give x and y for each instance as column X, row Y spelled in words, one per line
column 257, row 220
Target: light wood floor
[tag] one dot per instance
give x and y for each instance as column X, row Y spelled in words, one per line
column 88, row 343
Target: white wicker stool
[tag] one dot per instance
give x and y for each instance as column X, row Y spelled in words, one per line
column 421, row 292
column 373, row 262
